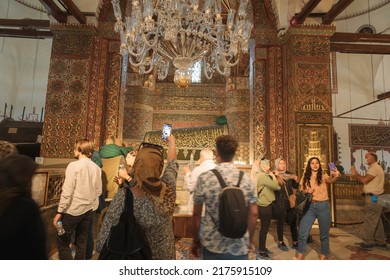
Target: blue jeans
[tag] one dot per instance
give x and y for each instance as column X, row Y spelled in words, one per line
column 321, row 211
column 207, row 255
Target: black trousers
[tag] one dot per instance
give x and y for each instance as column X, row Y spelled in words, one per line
column 265, row 215
column 292, row 222
column 281, row 219
column 78, row 225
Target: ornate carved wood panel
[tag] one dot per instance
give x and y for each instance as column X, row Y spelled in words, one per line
column 369, row 136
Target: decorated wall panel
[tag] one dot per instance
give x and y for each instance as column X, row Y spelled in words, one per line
column 259, row 109
column 137, row 121
column 72, row 44
column 238, row 125
column 308, row 64
column 79, row 94
column 181, row 120
column 96, row 102
column 314, row 141
column 66, row 113
column 313, row 79
column 194, row 98
column 264, row 30
column 310, row 47
column 146, row 110
column 237, row 113
column 138, row 95
column 290, row 117
column 112, row 113
column 369, row 136
column 276, row 104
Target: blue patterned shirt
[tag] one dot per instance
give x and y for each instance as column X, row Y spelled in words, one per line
column 206, row 192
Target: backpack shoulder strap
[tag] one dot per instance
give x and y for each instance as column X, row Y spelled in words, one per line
column 222, row 182
column 239, row 178
column 220, row 179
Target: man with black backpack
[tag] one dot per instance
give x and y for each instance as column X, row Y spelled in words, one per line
column 231, row 210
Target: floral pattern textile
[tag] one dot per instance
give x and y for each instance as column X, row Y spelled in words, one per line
column 158, row 226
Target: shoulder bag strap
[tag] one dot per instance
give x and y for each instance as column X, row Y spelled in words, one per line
column 285, row 188
column 128, row 202
column 259, row 192
column 223, row 185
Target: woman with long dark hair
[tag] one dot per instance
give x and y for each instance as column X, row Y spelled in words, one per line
column 314, row 181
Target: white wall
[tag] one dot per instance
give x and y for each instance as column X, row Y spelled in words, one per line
column 360, row 79
column 24, row 66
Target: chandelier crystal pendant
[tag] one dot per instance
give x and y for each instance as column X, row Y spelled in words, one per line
column 182, row 32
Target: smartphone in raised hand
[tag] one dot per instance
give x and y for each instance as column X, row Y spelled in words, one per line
column 166, row 131
column 331, row 165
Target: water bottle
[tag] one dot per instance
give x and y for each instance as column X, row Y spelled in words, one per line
column 192, row 163
column 60, row 228
column 122, row 164
column 374, row 198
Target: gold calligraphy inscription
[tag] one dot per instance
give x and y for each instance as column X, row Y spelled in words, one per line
column 313, row 117
column 314, row 104
column 366, row 135
column 195, row 137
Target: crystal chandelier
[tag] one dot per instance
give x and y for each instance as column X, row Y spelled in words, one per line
column 181, row 32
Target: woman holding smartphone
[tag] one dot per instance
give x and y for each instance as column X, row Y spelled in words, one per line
column 314, row 182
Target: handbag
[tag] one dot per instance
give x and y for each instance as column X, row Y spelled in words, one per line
column 126, row 240
column 303, row 202
column 291, row 198
column 280, row 204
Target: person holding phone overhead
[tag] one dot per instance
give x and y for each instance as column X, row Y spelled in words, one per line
column 154, row 194
column 314, row 181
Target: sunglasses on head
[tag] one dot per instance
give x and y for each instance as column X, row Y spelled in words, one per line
column 150, row 145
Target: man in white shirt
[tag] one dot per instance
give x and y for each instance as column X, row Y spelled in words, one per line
column 79, row 198
column 206, row 162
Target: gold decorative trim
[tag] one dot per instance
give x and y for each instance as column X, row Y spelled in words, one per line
column 324, row 138
column 313, row 117
column 311, row 30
